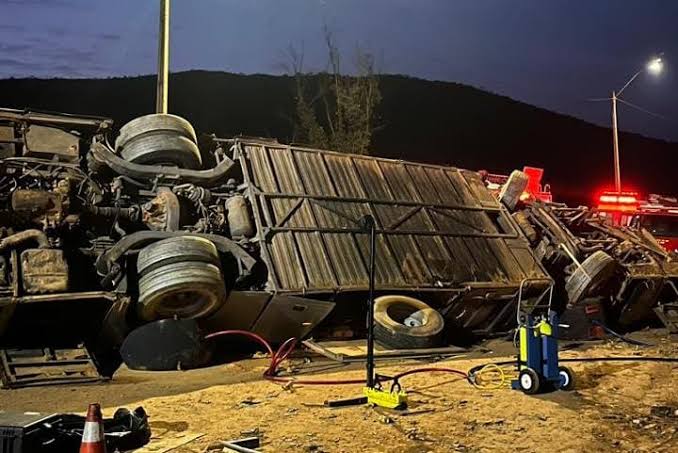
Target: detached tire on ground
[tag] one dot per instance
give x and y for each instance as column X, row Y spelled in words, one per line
column 593, row 273
column 180, row 277
column 402, row 322
column 159, row 139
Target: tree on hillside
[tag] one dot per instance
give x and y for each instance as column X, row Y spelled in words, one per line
column 307, row 129
column 335, row 110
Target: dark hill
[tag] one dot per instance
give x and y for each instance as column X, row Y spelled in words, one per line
column 439, row 122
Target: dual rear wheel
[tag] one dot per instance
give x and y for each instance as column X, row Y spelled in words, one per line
column 159, row 139
column 179, row 277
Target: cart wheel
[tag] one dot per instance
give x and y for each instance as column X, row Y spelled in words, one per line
column 566, row 378
column 529, row 380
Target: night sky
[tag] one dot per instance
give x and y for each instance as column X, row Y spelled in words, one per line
column 551, row 53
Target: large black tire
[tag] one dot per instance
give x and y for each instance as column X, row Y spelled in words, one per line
column 184, row 290
column 162, row 148
column 402, row 322
column 594, row 273
column 172, row 124
column 179, row 277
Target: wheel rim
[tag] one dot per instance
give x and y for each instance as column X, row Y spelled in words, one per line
column 564, row 379
column 526, row 381
column 187, row 300
column 411, row 321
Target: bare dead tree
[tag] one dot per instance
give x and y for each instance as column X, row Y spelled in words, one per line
column 332, row 109
column 306, row 126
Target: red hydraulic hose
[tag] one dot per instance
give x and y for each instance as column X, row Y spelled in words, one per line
column 286, row 349
column 278, row 357
column 245, row 333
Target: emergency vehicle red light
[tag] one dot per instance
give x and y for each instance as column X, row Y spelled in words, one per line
column 618, row 198
column 618, row 201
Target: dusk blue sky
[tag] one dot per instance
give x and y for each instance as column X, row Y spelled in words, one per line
column 551, row 53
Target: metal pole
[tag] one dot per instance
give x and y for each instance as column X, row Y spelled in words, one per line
column 615, row 140
column 370, row 224
column 163, row 58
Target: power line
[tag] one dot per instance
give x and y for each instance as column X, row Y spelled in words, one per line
column 646, row 111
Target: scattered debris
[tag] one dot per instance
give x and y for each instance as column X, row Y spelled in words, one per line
column 254, row 432
column 664, row 411
column 245, row 445
column 419, row 412
column 58, row 433
column 386, row 419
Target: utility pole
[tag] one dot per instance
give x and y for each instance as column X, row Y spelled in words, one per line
column 615, row 141
column 654, row 67
column 163, row 58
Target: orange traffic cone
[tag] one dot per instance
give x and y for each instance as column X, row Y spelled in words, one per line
column 93, row 434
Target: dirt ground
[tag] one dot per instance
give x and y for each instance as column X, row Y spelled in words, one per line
column 610, row 409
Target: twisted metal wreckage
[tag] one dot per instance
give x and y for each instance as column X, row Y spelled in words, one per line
column 99, row 238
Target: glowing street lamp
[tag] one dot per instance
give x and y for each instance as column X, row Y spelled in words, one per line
column 653, row 67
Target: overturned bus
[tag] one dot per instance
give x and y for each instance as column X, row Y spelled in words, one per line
column 102, row 234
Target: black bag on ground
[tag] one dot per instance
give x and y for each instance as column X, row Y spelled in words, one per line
column 62, row 433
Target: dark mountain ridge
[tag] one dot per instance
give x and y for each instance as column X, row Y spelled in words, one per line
column 426, row 121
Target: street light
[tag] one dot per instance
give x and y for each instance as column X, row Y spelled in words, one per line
column 653, row 67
